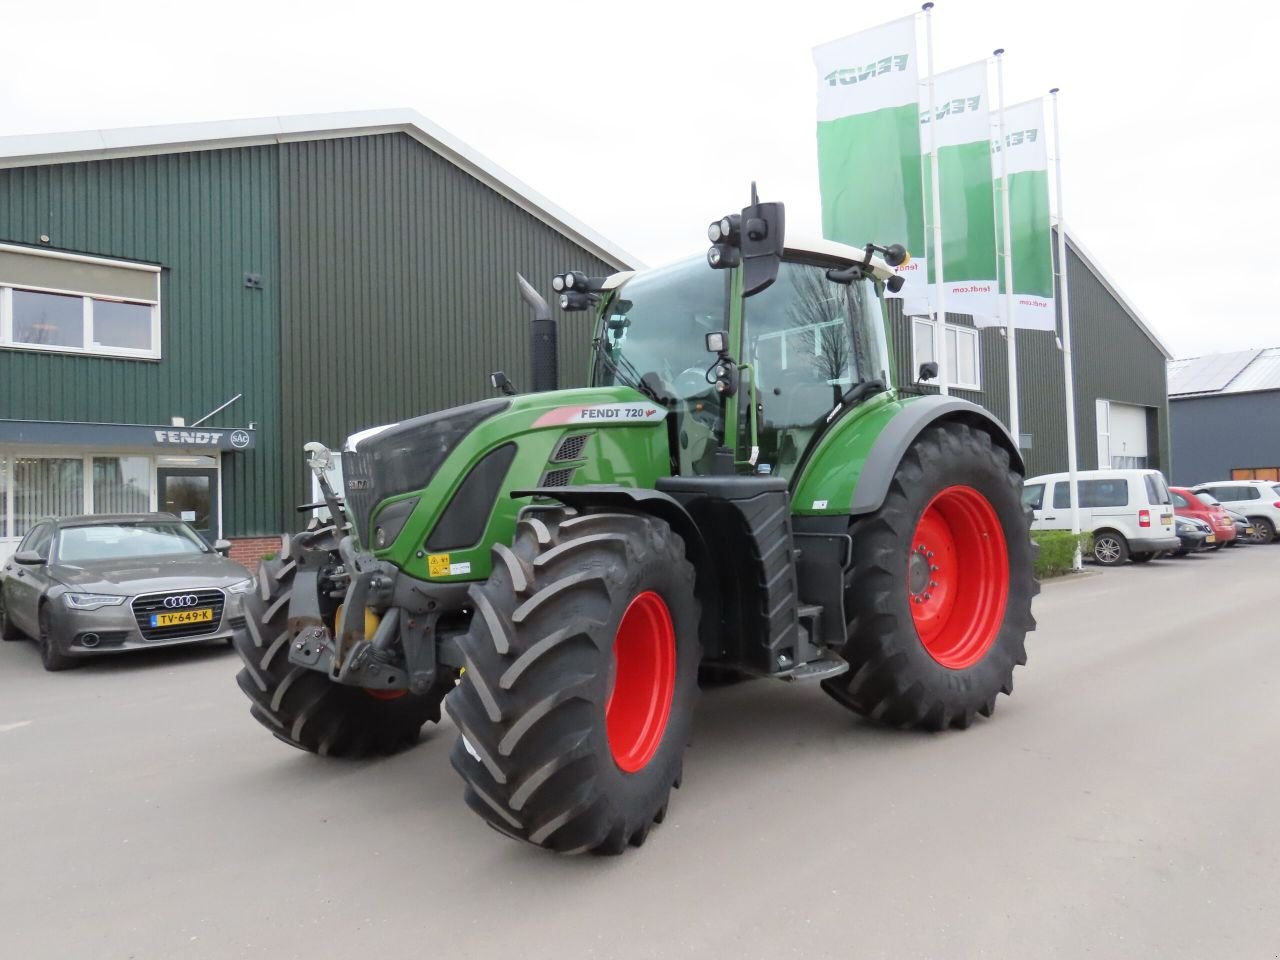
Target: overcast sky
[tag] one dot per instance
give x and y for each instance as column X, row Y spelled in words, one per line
column 646, row 120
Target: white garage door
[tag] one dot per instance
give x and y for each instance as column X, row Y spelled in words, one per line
column 1122, row 435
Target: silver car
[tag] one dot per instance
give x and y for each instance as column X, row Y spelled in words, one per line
column 85, row 586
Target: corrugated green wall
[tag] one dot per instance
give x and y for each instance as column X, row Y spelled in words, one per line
column 1114, row 360
column 207, row 218
column 388, row 291
column 399, row 291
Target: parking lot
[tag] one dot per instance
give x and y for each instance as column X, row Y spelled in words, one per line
column 1120, row 804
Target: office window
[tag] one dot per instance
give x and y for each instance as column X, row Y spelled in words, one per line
column 121, row 484
column 45, row 487
column 1256, row 473
column 76, row 304
column 964, row 367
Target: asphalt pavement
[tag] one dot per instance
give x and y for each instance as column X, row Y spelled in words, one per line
column 1121, row 804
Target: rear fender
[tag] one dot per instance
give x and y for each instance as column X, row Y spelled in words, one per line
column 850, row 470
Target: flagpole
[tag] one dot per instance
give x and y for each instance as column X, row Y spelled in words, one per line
column 1064, row 299
column 935, row 255
column 1014, row 425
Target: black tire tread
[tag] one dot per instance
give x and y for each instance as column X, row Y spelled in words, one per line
column 304, row 708
column 527, row 700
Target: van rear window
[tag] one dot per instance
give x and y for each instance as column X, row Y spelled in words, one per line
column 1157, row 491
column 1094, row 493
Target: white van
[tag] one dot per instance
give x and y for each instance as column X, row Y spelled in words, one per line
column 1129, row 512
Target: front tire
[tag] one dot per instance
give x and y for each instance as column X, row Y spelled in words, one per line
column 51, row 658
column 581, row 675
column 303, row 707
column 939, row 594
column 1141, row 557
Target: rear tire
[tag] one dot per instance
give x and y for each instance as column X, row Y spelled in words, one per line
column 1264, row 530
column 931, row 643
column 303, row 707
column 584, row 636
column 8, row 629
column 1110, row 549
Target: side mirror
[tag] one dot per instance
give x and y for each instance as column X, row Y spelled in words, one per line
column 223, row 547
column 28, row 558
column 754, row 238
column 928, row 371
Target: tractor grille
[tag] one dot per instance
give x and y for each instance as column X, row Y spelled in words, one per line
column 557, row 478
column 153, row 603
column 570, row 448
column 359, row 494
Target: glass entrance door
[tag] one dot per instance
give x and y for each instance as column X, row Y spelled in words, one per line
column 191, row 494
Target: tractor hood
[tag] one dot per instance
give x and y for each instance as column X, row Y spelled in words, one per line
column 437, row 481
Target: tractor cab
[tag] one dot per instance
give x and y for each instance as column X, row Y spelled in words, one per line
column 785, row 360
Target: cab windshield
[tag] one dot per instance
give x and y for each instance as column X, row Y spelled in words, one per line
column 654, row 327
column 806, row 342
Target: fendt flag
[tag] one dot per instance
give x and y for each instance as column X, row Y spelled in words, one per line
column 961, row 121
column 1028, row 160
column 869, row 166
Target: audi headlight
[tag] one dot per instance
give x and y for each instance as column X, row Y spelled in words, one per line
column 91, row 601
column 241, row 586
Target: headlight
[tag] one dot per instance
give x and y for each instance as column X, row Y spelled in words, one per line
column 91, row 601
column 241, row 586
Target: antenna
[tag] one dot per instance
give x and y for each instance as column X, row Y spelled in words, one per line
column 755, row 197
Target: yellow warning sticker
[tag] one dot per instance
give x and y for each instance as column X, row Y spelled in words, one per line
column 438, row 564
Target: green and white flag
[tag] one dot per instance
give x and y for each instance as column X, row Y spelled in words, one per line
column 962, row 123
column 869, row 159
column 1028, row 165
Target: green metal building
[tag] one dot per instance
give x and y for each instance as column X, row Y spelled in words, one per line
column 322, row 273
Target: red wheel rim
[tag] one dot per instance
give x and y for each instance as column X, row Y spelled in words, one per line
column 958, row 577
column 644, row 654
column 386, row 694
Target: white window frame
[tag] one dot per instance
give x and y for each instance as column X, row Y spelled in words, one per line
column 921, row 324
column 90, row 348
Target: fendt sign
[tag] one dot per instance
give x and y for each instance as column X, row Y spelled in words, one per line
column 125, row 435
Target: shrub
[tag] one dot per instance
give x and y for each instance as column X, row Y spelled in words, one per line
column 1057, row 551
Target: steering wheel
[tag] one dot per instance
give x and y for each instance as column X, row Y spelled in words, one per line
column 691, row 383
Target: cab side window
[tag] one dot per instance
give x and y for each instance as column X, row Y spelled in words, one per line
column 1180, row 501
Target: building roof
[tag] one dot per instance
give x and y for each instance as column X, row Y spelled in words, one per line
column 1103, row 278
column 1243, row 371
column 87, row 145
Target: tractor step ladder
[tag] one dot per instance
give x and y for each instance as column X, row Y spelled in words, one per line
column 828, row 666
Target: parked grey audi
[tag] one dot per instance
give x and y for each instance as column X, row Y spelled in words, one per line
column 86, row 586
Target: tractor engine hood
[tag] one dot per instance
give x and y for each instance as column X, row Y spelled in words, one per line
column 402, row 457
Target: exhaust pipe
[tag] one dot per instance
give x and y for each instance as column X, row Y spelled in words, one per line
column 543, row 348
column 90, row 640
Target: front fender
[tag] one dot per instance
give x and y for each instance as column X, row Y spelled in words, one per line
column 849, row 471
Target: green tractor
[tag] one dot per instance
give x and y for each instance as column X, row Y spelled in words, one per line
column 740, row 491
